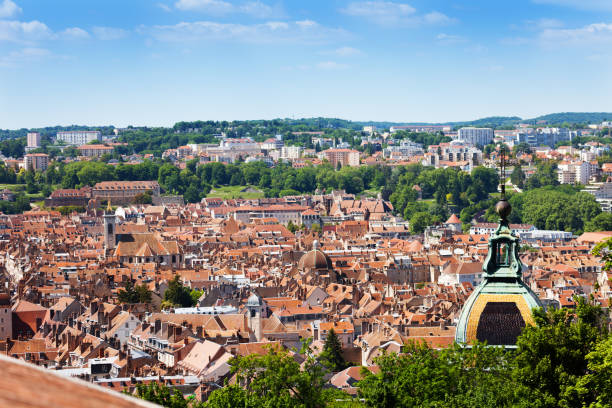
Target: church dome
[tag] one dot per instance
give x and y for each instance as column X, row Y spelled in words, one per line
column 253, row 300
column 315, row 259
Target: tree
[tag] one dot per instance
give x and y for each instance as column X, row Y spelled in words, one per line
column 419, row 221
column 551, row 356
column 517, row 177
column 452, row 377
column 195, row 296
column 596, row 385
column 143, row 198
column 292, row 227
column 162, row 395
column 331, row 356
column 276, row 379
column 134, row 294
column 602, row 222
column 177, row 294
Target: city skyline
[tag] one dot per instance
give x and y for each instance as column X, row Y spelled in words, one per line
column 156, row 63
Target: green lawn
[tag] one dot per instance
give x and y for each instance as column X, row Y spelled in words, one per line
column 372, row 192
column 13, row 187
column 236, row 192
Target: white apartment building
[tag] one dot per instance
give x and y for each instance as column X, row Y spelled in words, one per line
column 272, row 144
column 36, row 161
column 476, row 136
column 291, row 152
column 453, row 153
column 574, row 172
column 79, row 137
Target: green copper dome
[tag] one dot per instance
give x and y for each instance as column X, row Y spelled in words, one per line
column 500, row 307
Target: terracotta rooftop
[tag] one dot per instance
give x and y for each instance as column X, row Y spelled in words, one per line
column 27, row 386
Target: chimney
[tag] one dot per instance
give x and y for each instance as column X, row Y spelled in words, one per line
column 94, row 307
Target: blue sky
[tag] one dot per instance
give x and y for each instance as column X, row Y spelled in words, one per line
column 149, row 62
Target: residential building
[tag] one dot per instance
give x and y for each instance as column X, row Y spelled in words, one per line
column 33, row 139
column 421, row 128
column 123, row 192
column 291, row 152
column 346, row 157
column 78, row 137
column 36, row 161
column 94, row 150
column 476, row 136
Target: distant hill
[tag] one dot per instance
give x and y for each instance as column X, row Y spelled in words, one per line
column 571, row 117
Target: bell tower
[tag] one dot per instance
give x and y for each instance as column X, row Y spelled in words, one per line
column 110, row 234
column 255, row 308
column 500, row 307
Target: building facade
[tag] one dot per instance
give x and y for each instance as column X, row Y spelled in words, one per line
column 123, row 192
column 36, row 161
column 94, row 150
column 476, row 136
column 78, row 137
column 346, row 157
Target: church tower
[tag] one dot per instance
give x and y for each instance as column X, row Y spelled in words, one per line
column 255, row 307
column 500, row 307
column 110, row 239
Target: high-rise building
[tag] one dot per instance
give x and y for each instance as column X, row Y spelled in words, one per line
column 346, row 157
column 33, row 140
column 476, row 136
column 79, row 137
column 36, row 161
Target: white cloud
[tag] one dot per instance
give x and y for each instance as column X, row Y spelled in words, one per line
column 449, row 39
column 24, row 56
column 259, row 9
column 345, row 52
column 109, row 33
column 9, row 9
column 382, row 12
column 74, row 33
column 207, row 6
column 436, row 17
column 254, row 8
column 331, row 65
column 164, row 7
column 393, row 14
column 605, row 5
column 269, row 32
column 23, row 32
column 596, row 34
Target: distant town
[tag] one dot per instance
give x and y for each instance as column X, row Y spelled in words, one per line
column 138, row 256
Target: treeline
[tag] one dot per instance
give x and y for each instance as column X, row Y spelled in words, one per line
column 422, row 195
column 449, row 188
column 561, row 208
column 562, row 361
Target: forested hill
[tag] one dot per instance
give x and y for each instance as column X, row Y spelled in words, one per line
column 314, row 124
column 571, row 117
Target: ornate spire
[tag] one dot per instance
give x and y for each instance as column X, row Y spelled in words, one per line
column 503, row 208
column 109, row 208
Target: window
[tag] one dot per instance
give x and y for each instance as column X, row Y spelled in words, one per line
column 503, row 254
